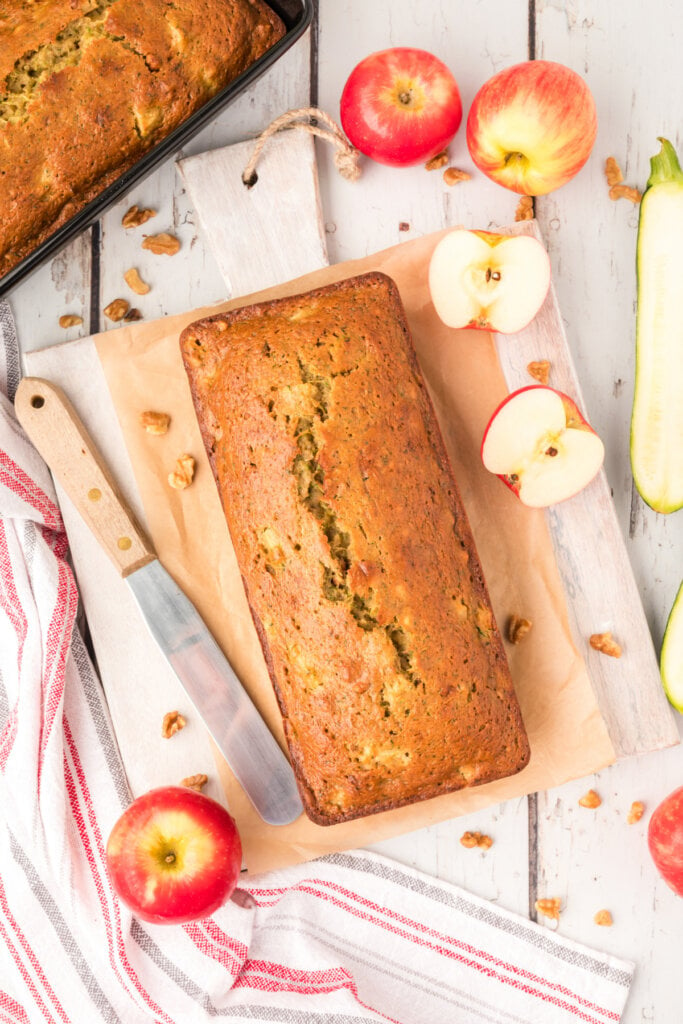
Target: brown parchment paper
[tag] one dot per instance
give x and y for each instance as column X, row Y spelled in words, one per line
column 568, row 738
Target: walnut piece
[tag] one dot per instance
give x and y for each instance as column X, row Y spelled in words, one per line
column 135, row 282
column 195, row 782
column 155, row 422
column 452, row 175
column 525, row 209
column 162, row 244
column 590, row 800
column 549, row 907
column 183, row 474
column 625, row 192
column 636, row 811
column 403, row 225
column 604, row 643
column 134, row 217
column 117, row 309
column 471, row 839
column 539, row 370
column 70, row 320
column 613, row 172
column 133, row 314
column 518, row 628
column 173, row 722
column 437, row 162
column 603, row 918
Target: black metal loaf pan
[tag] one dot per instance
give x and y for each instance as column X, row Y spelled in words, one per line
column 296, row 14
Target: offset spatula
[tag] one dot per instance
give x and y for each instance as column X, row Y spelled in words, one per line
column 242, row 736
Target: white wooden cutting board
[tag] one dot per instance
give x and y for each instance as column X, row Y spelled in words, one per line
column 260, row 237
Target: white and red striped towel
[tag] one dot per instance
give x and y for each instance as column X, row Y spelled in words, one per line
column 346, row 939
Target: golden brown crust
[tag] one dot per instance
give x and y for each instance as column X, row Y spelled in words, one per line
column 358, row 561
column 88, row 86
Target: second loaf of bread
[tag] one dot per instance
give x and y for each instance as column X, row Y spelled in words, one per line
column 356, row 554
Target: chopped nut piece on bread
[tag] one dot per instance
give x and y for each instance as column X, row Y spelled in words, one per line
column 590, row 799
column 525, row 209
column 613, row 172
column 183, row 473
column 162, row 244
column 116, row 310
column 636, row 811
column 155, row 422
column 539, row 370
column 452, row 175
column 70, row 320
column 196, row 782
column 549, row 907
column 471, row 839
column 173, row 722
column 437, row 162
column 134, row 217
column 135, row 282
column 603, row 918
column 604, row 643
column 517, row 628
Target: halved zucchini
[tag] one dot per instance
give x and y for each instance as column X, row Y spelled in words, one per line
column 657, row 418
column 671, row 661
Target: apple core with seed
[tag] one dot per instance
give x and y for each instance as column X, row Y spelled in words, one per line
column 540, row 445
column 488, row 281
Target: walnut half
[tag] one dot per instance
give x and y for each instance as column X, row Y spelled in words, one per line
column 471, row 839
column 173, row 722
column 590, row 799
column 183, row 474
column 549, row 907
column 195, row 782
column 116, row 310
column 604, row 643
column 155, row 422
column 162, row 244
column 517, row 628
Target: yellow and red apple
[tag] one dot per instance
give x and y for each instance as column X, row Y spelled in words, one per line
column 400, row 106
column 541, row 446
column 531, row 127
column 488, row 281
column 665, row 839
column 174, row 855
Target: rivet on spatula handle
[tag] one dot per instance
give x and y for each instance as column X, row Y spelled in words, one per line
column 53, row 426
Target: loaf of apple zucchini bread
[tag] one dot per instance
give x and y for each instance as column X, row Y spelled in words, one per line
column 88, row 86
column 355, row 551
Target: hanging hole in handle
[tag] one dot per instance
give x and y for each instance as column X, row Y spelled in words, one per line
column 37, row 401
column 251, row 180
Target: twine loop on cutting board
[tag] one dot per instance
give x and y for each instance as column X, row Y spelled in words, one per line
column 315, row 122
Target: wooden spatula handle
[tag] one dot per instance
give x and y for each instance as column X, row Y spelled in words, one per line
column 53, row 426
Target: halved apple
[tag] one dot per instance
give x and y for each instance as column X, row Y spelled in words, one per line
column 487, row 281
column 540, row 445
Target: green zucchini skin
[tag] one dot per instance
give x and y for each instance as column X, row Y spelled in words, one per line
column 657, row 416
column 671, row 658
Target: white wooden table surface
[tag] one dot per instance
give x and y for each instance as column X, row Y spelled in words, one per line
column 629, row 53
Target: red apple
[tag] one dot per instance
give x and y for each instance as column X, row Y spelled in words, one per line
column 400, row 106
column 665, row 839
column 532, row 126
column 483, row 280
column 174, row 855
column 540, row 445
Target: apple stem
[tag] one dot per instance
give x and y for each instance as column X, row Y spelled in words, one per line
column 170, row 858
column 405, row 98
